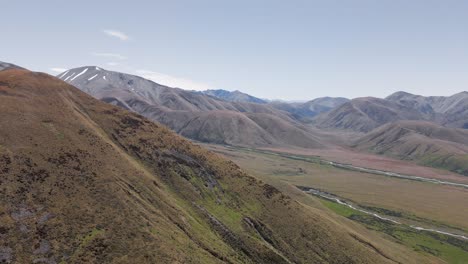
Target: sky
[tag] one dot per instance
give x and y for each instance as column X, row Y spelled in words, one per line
column 289, row 50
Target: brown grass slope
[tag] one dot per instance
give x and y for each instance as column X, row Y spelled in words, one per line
column 367, row 113
column 192, row 114
column 425, row 142
column 86, row 182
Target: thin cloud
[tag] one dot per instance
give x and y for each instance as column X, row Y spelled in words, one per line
column 117, row 34
column 109, row 55
column 58, row 70
column 172, row 81
column 113, row 63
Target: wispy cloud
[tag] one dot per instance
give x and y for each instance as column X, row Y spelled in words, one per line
column 58, row 70
column 109, row 55
column 117, row 34
column 172, row 81
column 113, row 63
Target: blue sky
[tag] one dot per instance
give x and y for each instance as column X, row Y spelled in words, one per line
column 293, row 50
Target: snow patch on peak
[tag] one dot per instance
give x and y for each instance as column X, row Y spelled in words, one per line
column 69, row 76
column 79, row 74
column 93, row 77
column 63, row 74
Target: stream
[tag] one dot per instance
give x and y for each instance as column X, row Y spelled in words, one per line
column 331, row 197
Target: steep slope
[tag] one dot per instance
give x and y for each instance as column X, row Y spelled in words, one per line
column 306, row 111
column 235, row 96
column 367, row 113
column 192, row 114
column 451, row 111
column 424, row 142
column 86, row 182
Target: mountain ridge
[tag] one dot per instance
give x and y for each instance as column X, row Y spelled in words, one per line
column 366, row 113
column 187, row 111
column 452, row 110
column 234, row 96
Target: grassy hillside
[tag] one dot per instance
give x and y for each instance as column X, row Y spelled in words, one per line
column 87, row 182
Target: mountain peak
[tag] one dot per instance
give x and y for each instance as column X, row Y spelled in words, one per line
column 234, row 96
column 399, row 95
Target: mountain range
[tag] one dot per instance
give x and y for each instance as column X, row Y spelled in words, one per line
column 425, row 142
column 192, row 114
column 367, row 113
column 451, row 111
column 234, row 118
column 84, row 181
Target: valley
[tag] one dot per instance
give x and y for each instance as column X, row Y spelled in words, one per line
column 396, row 156
column 362, row 185
column 88, row 182
column 418, row 204
column 434, row 242
column 234, row 132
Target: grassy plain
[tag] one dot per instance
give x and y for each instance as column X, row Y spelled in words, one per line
column 417, row 202
column 444, row 205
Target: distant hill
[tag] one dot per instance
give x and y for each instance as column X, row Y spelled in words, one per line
column 235, row 96
column 425, row 142
column 195, row 115
column 88, row 182
column 451, row 111
column 366, row 113
column 306, row 111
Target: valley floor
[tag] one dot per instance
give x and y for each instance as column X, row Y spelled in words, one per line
column 412, row 202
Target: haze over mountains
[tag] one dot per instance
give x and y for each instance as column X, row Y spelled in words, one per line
column 87, row 182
